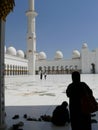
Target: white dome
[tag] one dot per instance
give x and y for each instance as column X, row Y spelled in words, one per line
column 84, row 45
column 42, row 56
column 58, row 55
column 11, row 51
column 75, row 54
column 20, row 54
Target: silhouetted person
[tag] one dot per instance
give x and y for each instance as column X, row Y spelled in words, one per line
column 45, row 75
column 75, row 90
column 60, row 115
column 41, row 75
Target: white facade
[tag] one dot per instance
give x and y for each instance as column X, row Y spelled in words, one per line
column 15, row 62
column 96, row 61
column 85, row 62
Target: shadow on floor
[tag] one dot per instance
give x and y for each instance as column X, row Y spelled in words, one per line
column 32, row 112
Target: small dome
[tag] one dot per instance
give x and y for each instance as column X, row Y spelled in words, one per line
column 20, row 54
column 84, row 45
column 75, row 54
column 11, row 51
column 59, row 55
column 42, row 56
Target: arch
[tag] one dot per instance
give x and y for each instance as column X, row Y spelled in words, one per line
column 93, row 68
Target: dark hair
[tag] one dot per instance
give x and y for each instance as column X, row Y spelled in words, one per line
column 64, row 104
column 76, row 76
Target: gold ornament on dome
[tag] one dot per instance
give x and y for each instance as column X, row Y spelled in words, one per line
column 6, row 6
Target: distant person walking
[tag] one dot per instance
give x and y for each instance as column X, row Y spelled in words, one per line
column 45, row 75
column 41, row 75
column 75, row 91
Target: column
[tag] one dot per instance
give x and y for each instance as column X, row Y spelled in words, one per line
column 2, row 97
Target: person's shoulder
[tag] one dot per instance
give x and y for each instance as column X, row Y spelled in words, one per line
column 70, row 84
column 57, row 107
column 83, row 83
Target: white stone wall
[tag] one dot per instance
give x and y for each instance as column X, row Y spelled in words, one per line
column 82, row 63
column 85, row 61
column 13, row 60
column 96, row 59
column 61, row 62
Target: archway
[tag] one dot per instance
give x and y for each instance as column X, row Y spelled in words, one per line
column 93, row 68
column 5, row 7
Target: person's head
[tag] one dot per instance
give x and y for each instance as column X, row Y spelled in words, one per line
column 76, row 76
column 64, row 104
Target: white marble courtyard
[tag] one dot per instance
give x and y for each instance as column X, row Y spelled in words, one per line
column 35, row 97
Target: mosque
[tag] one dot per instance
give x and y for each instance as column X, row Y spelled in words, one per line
column 30, row 63
column 85, row 62
column 16, row 62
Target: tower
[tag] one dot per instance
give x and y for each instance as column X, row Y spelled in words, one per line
column 85, row 59
column 31, row 38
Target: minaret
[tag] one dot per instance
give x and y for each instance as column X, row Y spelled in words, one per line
column 31, row 38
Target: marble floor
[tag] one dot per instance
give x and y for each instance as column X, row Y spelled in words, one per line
column 34, row 97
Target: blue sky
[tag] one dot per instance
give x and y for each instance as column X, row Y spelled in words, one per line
column 60, row 25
